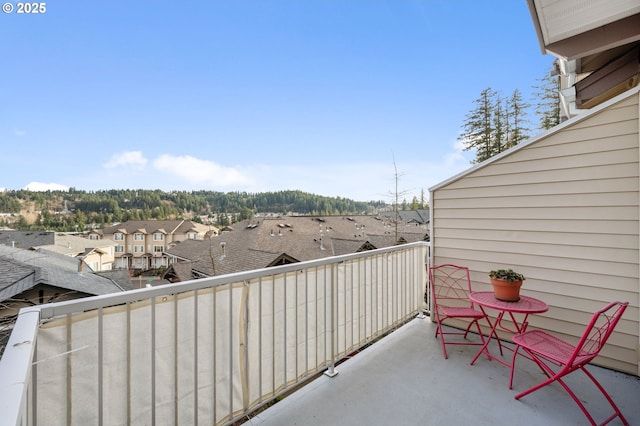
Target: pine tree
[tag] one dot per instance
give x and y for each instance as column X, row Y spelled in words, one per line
column 548, row 100
column 478, row 126
column 500, row 126
column 517, row 119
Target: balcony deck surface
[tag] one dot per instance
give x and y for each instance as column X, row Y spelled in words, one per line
column 404, row 380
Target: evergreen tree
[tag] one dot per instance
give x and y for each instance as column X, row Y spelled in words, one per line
column 478, row 127
column 500, row 127
column 517, row 119
column 495, row 125
column 548, row 100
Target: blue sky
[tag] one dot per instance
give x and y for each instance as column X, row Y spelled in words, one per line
column 262, row 95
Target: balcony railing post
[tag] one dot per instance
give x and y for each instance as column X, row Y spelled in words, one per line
column 15, row 367
column 331, row 371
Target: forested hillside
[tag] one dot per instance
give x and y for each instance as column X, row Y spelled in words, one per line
column 76, row 210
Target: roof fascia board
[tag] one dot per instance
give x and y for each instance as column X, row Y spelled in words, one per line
column 536, row 25
column 535, row 139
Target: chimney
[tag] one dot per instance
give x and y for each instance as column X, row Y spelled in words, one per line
column 222, row 247
column 80, row 266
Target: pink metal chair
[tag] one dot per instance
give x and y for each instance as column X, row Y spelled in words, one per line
column 546, row 350
column 450, row 288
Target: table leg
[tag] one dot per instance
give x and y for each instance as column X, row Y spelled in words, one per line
column 484, row 349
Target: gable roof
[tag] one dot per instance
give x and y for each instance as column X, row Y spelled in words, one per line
column 153, row 226
column 262, row 242
column 420, row 216
column 72, row 245
column 21, row 270
column 572, row 121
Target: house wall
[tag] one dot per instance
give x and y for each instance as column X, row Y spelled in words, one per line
column 563, row 210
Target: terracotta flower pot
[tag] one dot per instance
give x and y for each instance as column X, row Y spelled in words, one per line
column 504, row 290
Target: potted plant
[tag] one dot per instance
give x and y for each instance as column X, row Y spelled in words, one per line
column 506, row 284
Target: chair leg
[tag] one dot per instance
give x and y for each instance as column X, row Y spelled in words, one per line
column 618, row 413
column 557, row 377
column 442, row 342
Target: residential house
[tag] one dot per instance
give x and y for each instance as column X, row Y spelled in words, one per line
column 35, row 277
column 141, row 244
column 563, row 207
column 97, row 254
column 269, row 241
column 418, row 217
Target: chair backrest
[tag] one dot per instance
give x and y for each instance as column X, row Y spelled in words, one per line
column 450, row 285
column 597, row 332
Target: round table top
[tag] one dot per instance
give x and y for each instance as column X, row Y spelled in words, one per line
column 526, row 304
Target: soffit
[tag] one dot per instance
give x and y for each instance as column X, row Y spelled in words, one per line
column 572, row 29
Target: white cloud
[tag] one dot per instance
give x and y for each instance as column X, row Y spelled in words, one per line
column 201, row 172
column 133, row 159
column 457, row 155
column 40, row 186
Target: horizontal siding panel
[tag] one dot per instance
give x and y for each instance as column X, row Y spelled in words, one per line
column 564, row 251
column 627, row 111
column 624, row 213
column 570, row 284
column 560, row 163
column 614, row 227
column 531, row 266
column 543, row 237
column 569, row 151
column 583, row 146
column 607, row 171
column 588, row 132
column 547, row 237
column 588, row 199
column 626, row 184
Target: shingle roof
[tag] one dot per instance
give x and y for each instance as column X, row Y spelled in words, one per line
column 151, row 226
column 72, row 245
column 259, row 242
column 420, row 216
column 23, row 269
column 26, row 239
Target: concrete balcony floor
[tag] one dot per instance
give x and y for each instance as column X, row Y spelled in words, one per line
column 404, row 380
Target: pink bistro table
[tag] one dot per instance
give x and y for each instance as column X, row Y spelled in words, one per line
column 525, row 306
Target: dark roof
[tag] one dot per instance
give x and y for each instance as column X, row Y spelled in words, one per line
column 26, row 239
column 21, row 270
column 420, row 217
column 147, row 226
column 151, row 226
column 262, row 242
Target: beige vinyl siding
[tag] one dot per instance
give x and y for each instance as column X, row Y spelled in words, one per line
column 563, row 210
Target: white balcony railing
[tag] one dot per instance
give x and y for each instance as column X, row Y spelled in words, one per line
column 206, row 351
